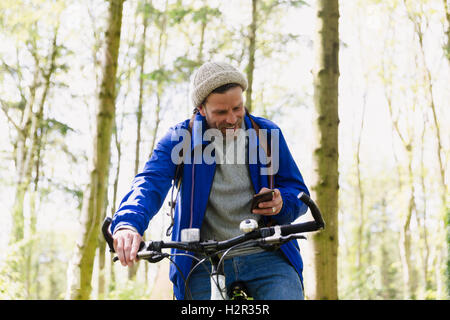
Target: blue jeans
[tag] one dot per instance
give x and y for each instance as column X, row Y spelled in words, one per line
column 268, row 275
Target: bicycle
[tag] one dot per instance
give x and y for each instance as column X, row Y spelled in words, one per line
column 268, row 238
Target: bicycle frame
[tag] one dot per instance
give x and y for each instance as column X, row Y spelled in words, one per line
column 218, row 285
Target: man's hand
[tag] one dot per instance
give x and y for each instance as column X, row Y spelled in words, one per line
column 270, row 208
column 126, row 245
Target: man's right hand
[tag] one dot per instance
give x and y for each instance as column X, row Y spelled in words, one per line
column 126, row 245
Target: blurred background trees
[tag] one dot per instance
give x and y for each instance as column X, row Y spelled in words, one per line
column 393, row 109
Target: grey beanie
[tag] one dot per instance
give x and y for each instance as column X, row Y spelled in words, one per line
column 212, row 75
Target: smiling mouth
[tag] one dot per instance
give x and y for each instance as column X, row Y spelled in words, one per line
column 236, row 126
column 229, row 130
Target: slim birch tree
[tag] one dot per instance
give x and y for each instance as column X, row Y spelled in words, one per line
column 418, row 18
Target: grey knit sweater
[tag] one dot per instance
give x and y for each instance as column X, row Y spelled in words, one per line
column 231, row 195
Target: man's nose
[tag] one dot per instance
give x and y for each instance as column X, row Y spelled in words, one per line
column 231, row 118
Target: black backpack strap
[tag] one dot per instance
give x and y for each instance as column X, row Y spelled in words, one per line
column 267, row 220
column 179, row 167
column 265, row 145
column 178, row 176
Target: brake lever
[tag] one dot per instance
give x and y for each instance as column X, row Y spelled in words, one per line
column 276, row 241
column 152, row 256
column 292, row 237
column 299, row 236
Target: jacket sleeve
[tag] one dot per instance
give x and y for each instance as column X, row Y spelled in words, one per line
column 290, row 182
column 149, row 189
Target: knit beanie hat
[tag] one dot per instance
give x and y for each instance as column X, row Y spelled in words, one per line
column 212, row 75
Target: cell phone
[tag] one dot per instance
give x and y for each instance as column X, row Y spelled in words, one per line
column 261, row 197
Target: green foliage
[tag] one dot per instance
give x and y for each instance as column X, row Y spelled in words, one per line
column 176, row 14
column 131, row 290
column 269, row 5
column 447, row 227
column 19, row 18
column 161, row 76
column 52, row 124
column 183, row 68
column 204, row 14
column 35, row 268
column 11, row 278
column 75, row 192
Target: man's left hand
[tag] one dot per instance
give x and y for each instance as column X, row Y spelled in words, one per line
column 270, row 208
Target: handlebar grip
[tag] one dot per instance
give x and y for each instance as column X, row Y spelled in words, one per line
column 309, row 226
column 313, row 208
column 109, row 239
column 107, row 234
column 299, row 228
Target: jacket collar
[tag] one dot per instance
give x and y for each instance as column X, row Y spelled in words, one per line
column 198, row 129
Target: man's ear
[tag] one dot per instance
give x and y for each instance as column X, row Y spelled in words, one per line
column 201, row 109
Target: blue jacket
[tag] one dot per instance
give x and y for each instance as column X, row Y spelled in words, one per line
column 150, row 187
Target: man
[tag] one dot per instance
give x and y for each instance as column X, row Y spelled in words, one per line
column 215, row 196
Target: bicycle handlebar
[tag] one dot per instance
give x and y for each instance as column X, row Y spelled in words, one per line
column 274, row 234
column 309, row 226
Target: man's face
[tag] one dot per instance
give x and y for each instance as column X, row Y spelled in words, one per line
column 224, row 111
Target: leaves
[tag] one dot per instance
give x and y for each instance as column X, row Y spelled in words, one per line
column 54, row 125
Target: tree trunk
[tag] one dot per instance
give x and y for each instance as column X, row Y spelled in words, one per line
column 362, row 215
column 80, row 271
column 251, row 56
column 30, row 236
column 141, row 89
column 326, row 176
column 101, row 290
column 409, row 281
column 157, row 118
column 416, row 20
column 405, row 234
column 422, row 221
column 387, row 279
column 25, row 156
column 162, row 46
column 409, row 286
column 202, row 36
column 447, row 31
column 27, row 115
column 133, row 269
column 115, row 186
column 362, row 243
